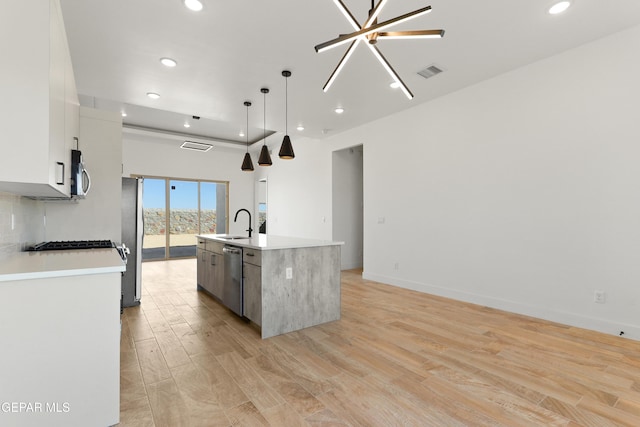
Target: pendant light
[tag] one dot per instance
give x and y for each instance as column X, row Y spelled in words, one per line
column 265, row 157
column 286, row 149
column 247, row 163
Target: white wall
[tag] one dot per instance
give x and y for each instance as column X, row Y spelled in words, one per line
column 99, row 215
column 348, row 210
column 27, row 227
column 158, row 156
column 298, row 190
column 521, row 192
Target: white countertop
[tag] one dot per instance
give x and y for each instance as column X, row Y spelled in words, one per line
column 267, row 241
column 45, row 264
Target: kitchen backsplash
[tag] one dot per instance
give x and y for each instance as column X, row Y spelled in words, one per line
column 27, row 228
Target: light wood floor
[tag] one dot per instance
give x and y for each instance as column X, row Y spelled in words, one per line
column 396, row 358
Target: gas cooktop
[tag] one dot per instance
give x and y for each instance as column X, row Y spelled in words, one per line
column 73, row 244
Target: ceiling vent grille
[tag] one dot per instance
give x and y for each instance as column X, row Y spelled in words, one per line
column 197, row 146
column 430, row 71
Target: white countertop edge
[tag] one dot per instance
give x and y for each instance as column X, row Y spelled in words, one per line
column 47, row 264
column 60, row 273
column 270, row 242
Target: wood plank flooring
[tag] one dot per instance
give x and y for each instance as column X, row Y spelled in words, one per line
column 396, row 358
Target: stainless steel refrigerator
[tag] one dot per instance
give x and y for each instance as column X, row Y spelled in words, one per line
column 132, row 235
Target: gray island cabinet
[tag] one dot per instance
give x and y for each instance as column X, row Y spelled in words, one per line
column 287, row 283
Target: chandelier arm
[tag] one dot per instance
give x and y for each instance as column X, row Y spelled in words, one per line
column 340, row 65
column 413, row 34
column 372, row 29
column 352, row 20
column 380, row 57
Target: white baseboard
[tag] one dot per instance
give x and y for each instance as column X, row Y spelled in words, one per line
column 565, row 318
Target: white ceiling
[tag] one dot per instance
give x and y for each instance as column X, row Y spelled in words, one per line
column 231, row 49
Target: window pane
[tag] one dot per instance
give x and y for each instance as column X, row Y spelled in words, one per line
column 155, row 220
column 183, row 218
column 208, row 208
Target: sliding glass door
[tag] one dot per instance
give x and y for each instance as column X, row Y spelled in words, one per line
column 184, row 208
column 154, row 214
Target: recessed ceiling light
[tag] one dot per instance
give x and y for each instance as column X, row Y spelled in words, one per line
column 153, row 95
column 241, row 134
column 339, row 110
column 559, row 7
column 195, row 5
column 300, row 128
column 168, row 62
column 124, row 114
column 187, row 125
column 394, row 85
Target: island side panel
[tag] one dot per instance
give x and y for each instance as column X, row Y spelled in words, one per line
column 310, row 297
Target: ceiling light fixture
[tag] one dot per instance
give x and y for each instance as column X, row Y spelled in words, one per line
column 265, row 157
column 559, row 7
column 300, row 128
column 194, row 5
column 247, row 163
column 339, row 110
column 394, row 85
column 241, row 134
column 153, row 95
column 168, row 62
column 370, row 32
column 187, row 125
column 123, row 114
column 196, row 146
column 286, row 149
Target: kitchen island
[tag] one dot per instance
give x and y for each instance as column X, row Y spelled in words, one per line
column 60, row 332
column 287, row 283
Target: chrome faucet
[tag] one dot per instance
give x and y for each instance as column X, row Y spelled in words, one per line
column 236, row 219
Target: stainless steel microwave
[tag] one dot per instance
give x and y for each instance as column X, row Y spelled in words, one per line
column 80, row 179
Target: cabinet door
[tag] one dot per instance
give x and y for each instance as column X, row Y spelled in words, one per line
column 59, row 158
column 217, row 275
column 253, row 293
column 33, row 77
column 202, row 265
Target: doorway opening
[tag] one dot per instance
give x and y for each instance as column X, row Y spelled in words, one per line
column 176, row 210
column 348, row 205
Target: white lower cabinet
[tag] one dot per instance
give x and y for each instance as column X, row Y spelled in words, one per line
column 60, row 351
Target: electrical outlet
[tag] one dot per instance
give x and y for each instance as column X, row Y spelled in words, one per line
column 599, row 297
column 289, row 273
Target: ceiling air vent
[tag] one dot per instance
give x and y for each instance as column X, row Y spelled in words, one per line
column 430, row 71
column 198, row 146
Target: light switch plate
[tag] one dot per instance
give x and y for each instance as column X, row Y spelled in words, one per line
column 289, row 273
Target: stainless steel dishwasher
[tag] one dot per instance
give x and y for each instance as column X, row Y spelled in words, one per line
column 232, row 291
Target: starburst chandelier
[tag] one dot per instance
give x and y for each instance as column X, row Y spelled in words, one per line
column 372, row 31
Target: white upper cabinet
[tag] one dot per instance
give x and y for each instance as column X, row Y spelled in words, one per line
column 39, row 112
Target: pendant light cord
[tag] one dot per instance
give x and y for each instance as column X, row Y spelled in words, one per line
column 247, row 128
column 286, row 106
column 264, row 119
